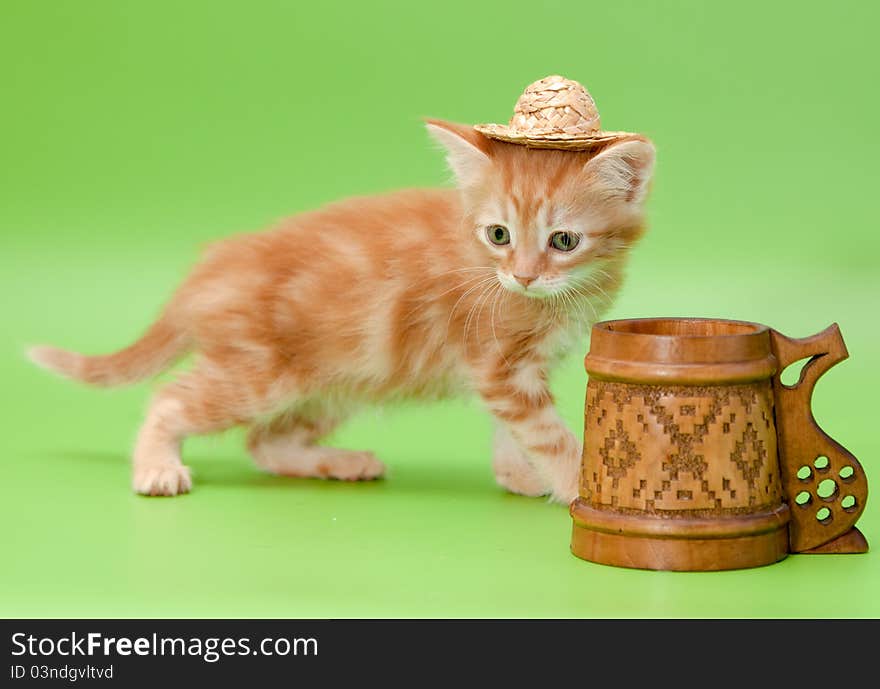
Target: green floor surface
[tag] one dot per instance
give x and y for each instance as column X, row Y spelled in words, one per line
column 436, row 538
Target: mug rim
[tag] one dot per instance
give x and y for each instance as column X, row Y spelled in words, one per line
column 749, row 328
column 723, row 351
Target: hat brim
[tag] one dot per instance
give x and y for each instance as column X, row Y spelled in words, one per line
column 569, row 142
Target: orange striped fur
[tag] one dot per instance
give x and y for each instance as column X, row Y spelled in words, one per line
column 400, row 296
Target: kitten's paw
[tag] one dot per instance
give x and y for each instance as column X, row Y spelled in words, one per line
column 565, row 497
column 350, row 466
column 512, row 469
column 566, row 483
column 161, row 479
column 566, row 490
column 520, row 480
column 320, row 462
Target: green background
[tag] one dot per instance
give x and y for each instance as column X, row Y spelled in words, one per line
column 131, row 133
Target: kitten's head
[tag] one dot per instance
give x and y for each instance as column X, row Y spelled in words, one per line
column 548, row 220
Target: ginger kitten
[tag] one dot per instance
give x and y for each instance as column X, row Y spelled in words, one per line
column 417, row 294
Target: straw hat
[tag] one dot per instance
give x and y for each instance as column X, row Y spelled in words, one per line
column 553, row 112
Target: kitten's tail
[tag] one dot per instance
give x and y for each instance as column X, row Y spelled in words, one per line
column 161, row 345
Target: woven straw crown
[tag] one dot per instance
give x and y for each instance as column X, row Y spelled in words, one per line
column 553, row 112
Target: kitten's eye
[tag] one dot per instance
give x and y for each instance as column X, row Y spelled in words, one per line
column 498, row 235
column 564, row 241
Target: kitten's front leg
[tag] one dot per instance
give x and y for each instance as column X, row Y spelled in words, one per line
column 513, row 469
column 522, row 403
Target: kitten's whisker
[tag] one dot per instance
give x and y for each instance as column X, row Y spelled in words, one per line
column 485, row 299
column 590, row 283
column 459, row 285
column 480, row 285
column 575, row 305
column 595, row 283
column 498, row 292
column 467, row 321
column 478, row 302
column 587, row 298
column 421, row 305
column 463, row 295
column 459, row 270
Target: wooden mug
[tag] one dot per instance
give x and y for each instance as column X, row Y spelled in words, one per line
column 698, row 457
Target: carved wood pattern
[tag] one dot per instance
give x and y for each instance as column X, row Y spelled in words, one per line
column 680, row 451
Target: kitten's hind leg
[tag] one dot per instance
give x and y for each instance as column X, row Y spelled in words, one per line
column 156, row 465
column 286, row 446
column 198, row 402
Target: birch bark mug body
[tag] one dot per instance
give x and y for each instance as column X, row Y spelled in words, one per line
column 697, row 456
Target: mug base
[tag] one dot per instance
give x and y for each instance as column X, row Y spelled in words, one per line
column 679, row 544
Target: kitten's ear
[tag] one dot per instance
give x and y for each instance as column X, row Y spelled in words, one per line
column 623, row 170
column 467, row 151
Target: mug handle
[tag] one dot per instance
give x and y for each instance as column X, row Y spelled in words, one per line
column 811, row 462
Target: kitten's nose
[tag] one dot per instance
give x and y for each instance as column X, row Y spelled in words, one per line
column 525, row 280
